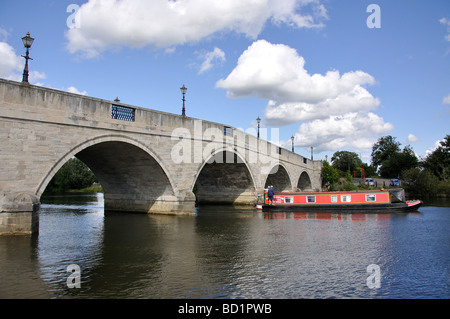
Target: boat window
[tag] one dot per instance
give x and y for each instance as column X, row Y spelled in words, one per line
column 346, row 198
column 333, row 198
column 371, row 198
column 289, row 199
column 310, row 199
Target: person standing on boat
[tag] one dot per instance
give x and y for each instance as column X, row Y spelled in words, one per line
column 270, row 195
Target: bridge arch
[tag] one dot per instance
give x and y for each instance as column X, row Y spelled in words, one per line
column 279, row 178
column 304, row 182
column 224, row 178
column 132, row 175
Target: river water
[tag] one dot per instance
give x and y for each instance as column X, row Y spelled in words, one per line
column 226, row 252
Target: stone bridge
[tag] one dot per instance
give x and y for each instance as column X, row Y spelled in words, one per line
column 146, row 160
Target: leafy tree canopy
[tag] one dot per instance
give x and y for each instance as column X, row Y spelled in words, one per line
column 72, row 175
column 438, row 162
column 346, row 161
column 398, row 162
column 330, row 175
column 383, row 149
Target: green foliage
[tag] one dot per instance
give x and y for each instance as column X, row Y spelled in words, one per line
column 346, row 161
column 389, row 160
column 72, row 175
column 438, row 162
column 422, row 183
column 336, row 180
column 398, row 162
column 383, row 149
column 369, row 170
column 434, row 178
column 425, row 179
column 330, row 175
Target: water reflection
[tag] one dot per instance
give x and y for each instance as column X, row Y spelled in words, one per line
column 335, row 216
column 224, row 252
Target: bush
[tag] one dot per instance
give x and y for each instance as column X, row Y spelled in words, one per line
column 330, row 176
column 443, row 188
column 422, row 183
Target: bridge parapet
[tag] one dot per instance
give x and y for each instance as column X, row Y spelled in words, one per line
column 35, row 103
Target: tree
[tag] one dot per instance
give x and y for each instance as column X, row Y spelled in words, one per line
column 389, row 160
column 369, row 170
column 398, row 162
column 346, row 161
column 329, row 174
column 72, row 175
column 438, row 162
column 383, row 149
column 421, row 183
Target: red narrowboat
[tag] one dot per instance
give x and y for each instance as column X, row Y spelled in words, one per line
column 377, row 201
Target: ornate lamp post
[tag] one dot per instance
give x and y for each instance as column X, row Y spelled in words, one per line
column 258, row 120
column 292, row 139
column 183, row 91
column 27, row 42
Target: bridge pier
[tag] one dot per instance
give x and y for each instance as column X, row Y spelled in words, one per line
column 19, row 214
column 167, row 205
column 219, row 198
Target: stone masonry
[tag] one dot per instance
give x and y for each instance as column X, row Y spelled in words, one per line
column 147, row 161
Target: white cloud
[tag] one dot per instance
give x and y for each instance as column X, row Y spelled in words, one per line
column 355, row 131
column 433, row 148
column 446, row 22
column 10, row 63
column 215, row 55
column 35, row 76
column 105, row 24
column 446, row 100
column 276, row 72
column 334, row 110
column 3, row 35
column 412, row 139
column 73, row 89
column 358, row 99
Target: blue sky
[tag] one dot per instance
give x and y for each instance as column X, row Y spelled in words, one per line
column 309, row 68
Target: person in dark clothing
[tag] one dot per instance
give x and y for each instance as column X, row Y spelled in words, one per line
column 270, row 195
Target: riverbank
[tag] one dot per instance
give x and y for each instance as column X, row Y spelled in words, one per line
column 88, row 190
